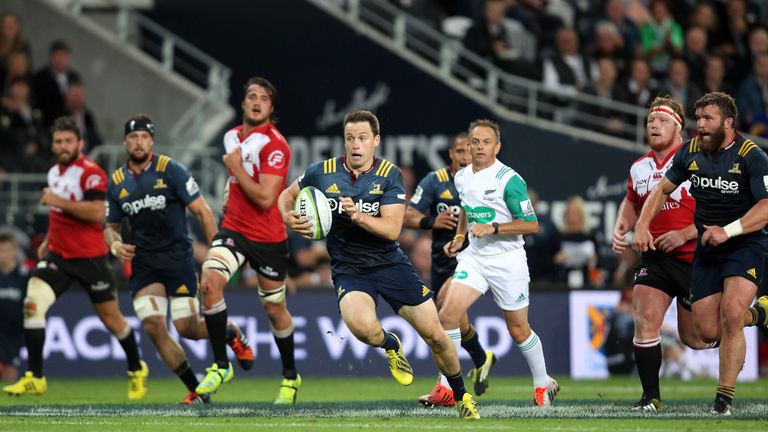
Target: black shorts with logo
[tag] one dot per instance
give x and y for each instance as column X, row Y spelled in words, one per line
column 665, row 273
column 94, row 274
column 743, row 257
column 268, row 259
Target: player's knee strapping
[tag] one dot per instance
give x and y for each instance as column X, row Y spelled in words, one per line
column 40, row 297
column 183, row 307
column 284, row 333
column 275, row 296
column 150, row 305
column 223, row 260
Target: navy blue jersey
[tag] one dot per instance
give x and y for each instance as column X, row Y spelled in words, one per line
column 154, row 201
column 725, row 184
column 13, row 289
column 354, row 250
column 436, row 194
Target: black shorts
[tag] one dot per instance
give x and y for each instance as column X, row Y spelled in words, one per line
column 665, row 273
column 398, row 284
column 745, row 258
column 94, row 274
column 268, row 259
column 179, row 281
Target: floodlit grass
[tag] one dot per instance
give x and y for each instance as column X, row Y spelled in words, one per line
column 328, row 404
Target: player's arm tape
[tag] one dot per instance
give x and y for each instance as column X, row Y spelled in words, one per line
column 427, row 222
column 734, row 228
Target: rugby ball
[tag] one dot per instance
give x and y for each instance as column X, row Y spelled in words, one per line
column 313, row 205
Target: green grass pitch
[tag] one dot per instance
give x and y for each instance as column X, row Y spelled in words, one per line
column 373, row 404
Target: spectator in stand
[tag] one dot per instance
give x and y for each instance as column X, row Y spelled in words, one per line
column 696, row 53
column 577, row 257
column 752, row 96
column 568, row 71
column 16, row 66
column 680, row 88
column 705, row 16
column 49, row 84
column 641, row 87
column 599, row 116
column 609, row 44
column 75, row 102
column 615, row 12
column 661, row 37
column 503, row 42
column 757, row 41
column 714, row 76
column 23, row 147
column 11, row 38
column 534, row 17
column 738, row 23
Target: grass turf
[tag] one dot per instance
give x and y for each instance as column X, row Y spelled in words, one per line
column 341, row 404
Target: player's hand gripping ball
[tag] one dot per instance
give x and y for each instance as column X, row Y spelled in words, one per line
column 313, row 205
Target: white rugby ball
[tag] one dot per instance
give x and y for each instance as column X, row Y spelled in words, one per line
column 313, row 205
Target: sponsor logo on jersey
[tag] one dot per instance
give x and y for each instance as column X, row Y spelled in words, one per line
column 460, row 275
column 93, row 181
column 268, row 271
column 693, row 166
column 520, row 298
column 123, row 193
column 480, row 214
column 339, row 292
column 371, row 209
column 752, row 272
column 446, row 195
column 160, row 184
column 334, row 188
column 658, row 175
column 670, row 205
column 735, row 168
column 725, row 186
column 182, row 289
column 424, row 291
column 376, row 190
column 276, row 159
column 192, row 187
column 148, row 202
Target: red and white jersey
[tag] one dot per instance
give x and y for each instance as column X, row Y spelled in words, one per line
column 263, row 151
column 69, row 236
column 676, row 213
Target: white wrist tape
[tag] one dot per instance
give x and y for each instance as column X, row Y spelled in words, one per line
column 112, row 247
column 734, row 228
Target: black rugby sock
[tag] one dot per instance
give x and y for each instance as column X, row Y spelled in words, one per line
column 285, row 346
column 648, row 360
column 34, row 339
column 187, row 375
column 131, row 351
column 471, row 343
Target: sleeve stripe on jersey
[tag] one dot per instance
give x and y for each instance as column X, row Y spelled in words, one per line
column 329, row 166
column 693, row 147
column 746, row 147
column 384, row 168
column 442, row 175
column 502, row 171
column 118, row 176
column 162, row 163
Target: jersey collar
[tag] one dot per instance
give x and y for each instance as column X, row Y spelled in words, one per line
column 260, row 129
column 146, row 168
column 352, row 174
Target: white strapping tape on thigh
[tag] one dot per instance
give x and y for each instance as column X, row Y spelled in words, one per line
column 223, row 260
column 183, row 307
column 150, row 305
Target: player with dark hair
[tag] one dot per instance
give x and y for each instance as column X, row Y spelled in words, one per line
column 258, row 158
column 727, row 173
column 436, row 205
column 74, row 252
column 367, row 199
column 152, row 192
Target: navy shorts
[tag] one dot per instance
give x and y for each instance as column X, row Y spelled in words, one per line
column 268, row 259
column 665, row 273
column 399, row 285
column 180, row 281
column 711, row 265
column 438, row 279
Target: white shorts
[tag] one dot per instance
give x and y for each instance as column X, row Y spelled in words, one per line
column 506, row 275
